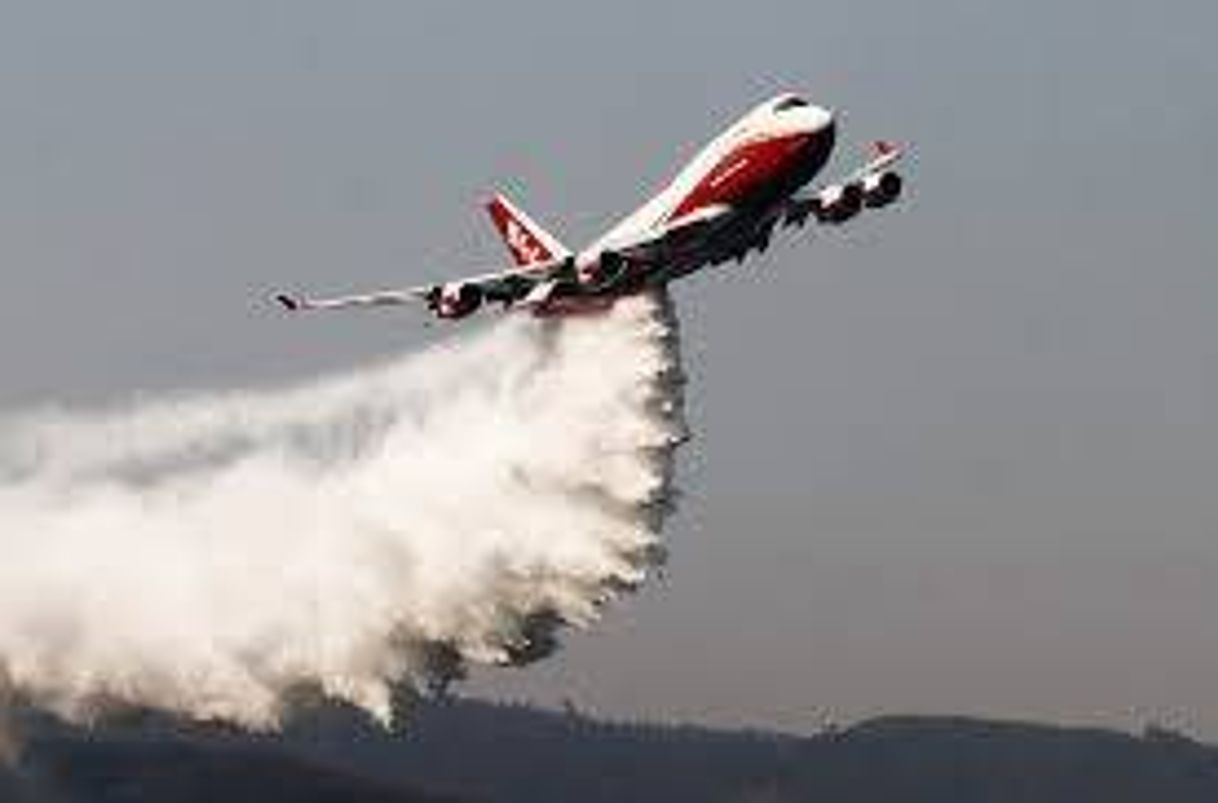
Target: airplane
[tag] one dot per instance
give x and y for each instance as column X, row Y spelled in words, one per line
column 725, row 203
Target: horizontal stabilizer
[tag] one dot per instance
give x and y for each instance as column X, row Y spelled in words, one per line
column 541, row 293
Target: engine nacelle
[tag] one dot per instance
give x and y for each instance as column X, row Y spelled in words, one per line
column 881, row 189
column 761, row 241
column 601, row 270
column 839, row 202
column 456, row 299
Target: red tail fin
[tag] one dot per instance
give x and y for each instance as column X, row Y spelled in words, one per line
column 528, row 242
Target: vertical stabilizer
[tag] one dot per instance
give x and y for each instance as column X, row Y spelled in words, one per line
column 528, row 242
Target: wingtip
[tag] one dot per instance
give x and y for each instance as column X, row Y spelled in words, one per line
column 493, row 199
column 289, row 303
column 883, row 147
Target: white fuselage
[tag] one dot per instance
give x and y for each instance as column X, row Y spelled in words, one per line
column 772, row 150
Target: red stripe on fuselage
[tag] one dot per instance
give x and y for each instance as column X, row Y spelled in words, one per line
column 746, row 172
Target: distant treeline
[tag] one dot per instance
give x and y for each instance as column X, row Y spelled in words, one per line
column 476, row 751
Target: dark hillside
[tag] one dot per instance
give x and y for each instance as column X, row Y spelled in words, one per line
column 514, row 753
column 468, row 750
column 934, row 759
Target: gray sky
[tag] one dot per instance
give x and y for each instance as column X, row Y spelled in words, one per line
column 959, row 457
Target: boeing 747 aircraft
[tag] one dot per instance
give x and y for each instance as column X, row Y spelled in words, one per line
column 722, row 205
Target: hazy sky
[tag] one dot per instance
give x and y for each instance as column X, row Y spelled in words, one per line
column 961, row 456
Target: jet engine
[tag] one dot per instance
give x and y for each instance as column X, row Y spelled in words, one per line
column 881, row 189
column 456, row 299
column 602, row 270
column 839, row 202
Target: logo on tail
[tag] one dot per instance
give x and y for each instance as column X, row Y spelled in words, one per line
column 523, row 245
column 529, row 243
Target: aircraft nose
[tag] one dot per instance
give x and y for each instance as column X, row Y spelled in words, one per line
column 823, row 130
column 819, row 118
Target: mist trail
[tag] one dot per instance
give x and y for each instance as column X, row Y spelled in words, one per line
column 208, row 553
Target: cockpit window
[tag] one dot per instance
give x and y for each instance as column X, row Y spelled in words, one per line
column 789, row 103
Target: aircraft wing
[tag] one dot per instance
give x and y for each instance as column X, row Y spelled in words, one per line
column 383, row 298
column 884, row 154
column 849, row 192
column 506, row 286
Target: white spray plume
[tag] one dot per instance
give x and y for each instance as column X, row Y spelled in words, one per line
column 207, row 554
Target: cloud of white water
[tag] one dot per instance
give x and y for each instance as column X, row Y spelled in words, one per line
column 205, row 554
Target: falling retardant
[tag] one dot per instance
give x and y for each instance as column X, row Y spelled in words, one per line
column 206, row 554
